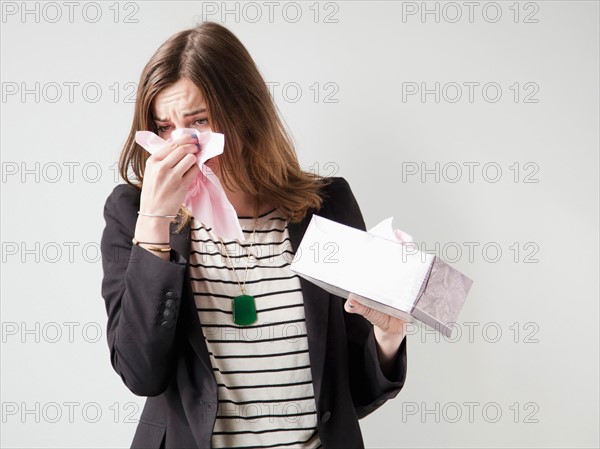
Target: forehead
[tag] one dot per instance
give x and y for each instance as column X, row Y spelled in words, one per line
column 177, row 98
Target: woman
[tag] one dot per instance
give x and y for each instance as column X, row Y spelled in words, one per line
column 300, row 368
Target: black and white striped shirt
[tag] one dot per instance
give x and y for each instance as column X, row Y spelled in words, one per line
column 265, row 390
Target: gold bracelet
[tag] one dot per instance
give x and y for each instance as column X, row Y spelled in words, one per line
column 137, row 242
column 152, row 248
column 160, row 250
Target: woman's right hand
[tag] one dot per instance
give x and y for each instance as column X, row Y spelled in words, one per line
column 168, row 175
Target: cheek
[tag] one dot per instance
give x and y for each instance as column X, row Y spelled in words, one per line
column 213, row 164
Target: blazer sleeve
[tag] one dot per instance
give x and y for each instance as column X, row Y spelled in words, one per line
column 369, row 386
column 136, row 286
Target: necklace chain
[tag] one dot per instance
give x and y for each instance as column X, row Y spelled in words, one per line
column 242, row 286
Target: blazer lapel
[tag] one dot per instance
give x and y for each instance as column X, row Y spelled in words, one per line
column 199, row 394
column 191, row 323
column 316, row 310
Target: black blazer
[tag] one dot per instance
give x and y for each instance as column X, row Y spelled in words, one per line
column 166, row 358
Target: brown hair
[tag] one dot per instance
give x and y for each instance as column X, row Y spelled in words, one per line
column 259, row 154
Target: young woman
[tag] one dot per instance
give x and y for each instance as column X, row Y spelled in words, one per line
column 299, row 367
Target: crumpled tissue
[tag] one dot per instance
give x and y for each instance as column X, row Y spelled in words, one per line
column 206, row 198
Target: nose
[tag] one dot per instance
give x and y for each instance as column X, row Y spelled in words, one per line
column 173, row 134
column 178, row 132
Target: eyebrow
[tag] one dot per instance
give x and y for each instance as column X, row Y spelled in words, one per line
column 185, row 114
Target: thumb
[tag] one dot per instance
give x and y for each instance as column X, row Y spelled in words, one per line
column 353, row 306
column 349, row 306
column 376, row 317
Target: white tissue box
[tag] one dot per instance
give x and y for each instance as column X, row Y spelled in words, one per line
column 383, row 273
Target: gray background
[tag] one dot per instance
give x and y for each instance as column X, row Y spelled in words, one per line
column 525, row 359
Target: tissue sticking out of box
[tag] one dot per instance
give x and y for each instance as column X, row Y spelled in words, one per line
column 385, row 274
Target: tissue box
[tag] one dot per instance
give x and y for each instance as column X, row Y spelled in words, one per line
column 392, row 277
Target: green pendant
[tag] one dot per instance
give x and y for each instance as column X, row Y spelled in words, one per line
column 244, row 310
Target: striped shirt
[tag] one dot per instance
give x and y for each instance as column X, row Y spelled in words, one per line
column 265, row 391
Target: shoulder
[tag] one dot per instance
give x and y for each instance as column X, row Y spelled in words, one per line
column 336, row 188
column 123, row 193
column 342, row 203
column 122, row 205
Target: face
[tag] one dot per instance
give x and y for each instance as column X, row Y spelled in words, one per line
column 181, row 105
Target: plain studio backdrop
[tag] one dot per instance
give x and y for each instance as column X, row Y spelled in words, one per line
column 473, row 124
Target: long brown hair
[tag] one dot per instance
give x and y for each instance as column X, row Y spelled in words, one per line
column 259, row 154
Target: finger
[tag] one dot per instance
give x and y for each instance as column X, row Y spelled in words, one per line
column 352, row 304
column 178, row 153
column 349, row 306
column 173, row 145
column 186, row 166
column 402, row 236
column 398, row 235
column 376, row 317
column 192, row 173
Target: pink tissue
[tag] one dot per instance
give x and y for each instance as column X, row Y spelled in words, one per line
column 206, row 198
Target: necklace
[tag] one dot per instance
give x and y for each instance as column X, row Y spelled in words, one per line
column 243, row 306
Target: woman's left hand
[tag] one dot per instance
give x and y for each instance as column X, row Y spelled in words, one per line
column 387, row 324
